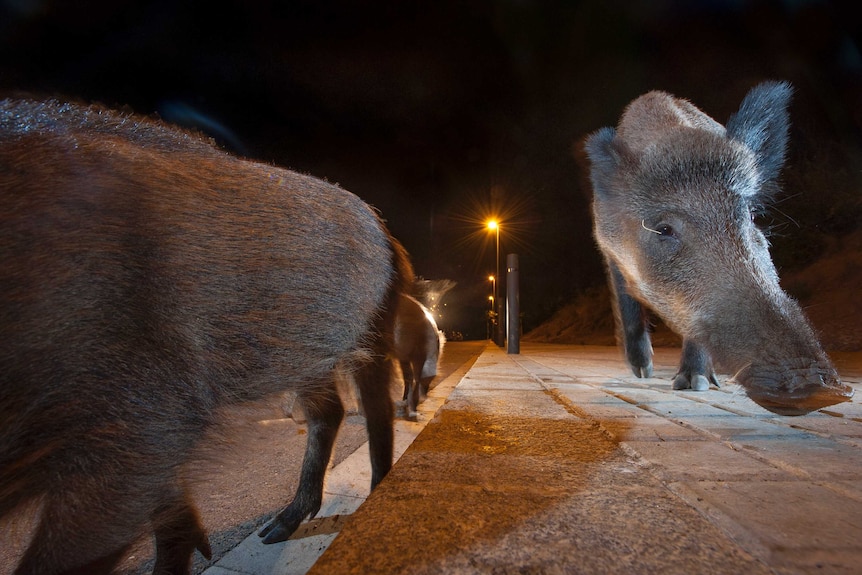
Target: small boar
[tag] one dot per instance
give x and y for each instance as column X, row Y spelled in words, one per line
column 675, row 196
column 149, row 281
column 417, row 347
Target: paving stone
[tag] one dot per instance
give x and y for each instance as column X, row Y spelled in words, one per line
column 814, row 457
column 703, row 460
column 795, row 525
column 519, row 402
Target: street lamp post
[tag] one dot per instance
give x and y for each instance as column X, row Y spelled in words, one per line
column 489, row 332
column 498, row 332
column 489, row 325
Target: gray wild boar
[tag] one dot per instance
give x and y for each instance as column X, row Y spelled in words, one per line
column 417, row 347
column 675, row 194
column 149, row 281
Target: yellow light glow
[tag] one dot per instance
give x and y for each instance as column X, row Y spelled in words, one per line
column 492, row 224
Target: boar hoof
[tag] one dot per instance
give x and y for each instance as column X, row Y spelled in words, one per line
column 277, row 531
column 400, row 409
column 412, row 416
column 699, row 383
column 694, row 382
column 274, row 533
column 642, row 371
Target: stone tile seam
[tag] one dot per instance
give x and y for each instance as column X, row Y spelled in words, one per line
column 745, row 540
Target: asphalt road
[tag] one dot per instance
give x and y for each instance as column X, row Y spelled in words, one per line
column 243, row 484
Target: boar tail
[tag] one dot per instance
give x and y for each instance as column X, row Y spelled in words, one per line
column 403, row 280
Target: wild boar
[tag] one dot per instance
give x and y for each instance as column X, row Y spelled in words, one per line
column 418, row 345
column 675, row 195
column 148, row 282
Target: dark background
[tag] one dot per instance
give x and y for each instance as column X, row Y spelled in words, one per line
column 444, row 113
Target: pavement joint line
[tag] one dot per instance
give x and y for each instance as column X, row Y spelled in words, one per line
column 824, row 435
column 840, row 415
column 747, row 541
column 798, row 472
column 836, row 487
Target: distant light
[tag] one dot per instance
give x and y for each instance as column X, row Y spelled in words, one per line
column 490, row 278
column 492, row 224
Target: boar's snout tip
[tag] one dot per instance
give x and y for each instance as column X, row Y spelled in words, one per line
column 819, row 399
column 795, row 393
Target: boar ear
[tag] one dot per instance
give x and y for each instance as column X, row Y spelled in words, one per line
column 762, row 123
column 606, row 154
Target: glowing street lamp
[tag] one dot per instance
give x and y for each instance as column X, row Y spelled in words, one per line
column 494, row 225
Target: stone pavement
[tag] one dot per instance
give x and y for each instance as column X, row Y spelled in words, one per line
column 559, row 460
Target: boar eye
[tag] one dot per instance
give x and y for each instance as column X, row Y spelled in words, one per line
column 661, row 229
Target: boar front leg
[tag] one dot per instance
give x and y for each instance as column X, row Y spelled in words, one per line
column 324, row 413
column 632, row 325
column 695, row 368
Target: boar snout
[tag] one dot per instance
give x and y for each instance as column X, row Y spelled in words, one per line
column 794, row 387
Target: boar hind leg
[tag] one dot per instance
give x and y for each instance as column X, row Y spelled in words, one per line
column 407, row 375
column 373, row 382
column 324, row 412
column 695, row 369
column 178, row 533
column 632, row 325
column 411, row 390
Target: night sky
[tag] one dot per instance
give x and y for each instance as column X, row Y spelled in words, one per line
column 444, row 113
